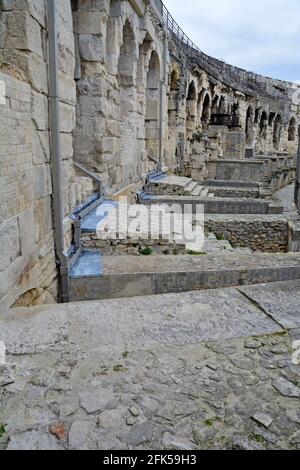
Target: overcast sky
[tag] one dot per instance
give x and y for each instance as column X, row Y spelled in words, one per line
column 262, row 36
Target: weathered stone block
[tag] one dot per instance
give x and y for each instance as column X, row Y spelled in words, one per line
column 91, row 47
column 91, row 22
column 10, row 248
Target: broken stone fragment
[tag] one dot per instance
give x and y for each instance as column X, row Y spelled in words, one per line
column 263, row 419
column 286, row 388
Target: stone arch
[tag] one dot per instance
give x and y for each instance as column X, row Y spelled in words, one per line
column 205, row 116
column 271, row 119
column 257, row 114
column 174, row 83
column 263, row 124
column 126, row 76
column 235, row 115
column 277, row 131
column 191, row 109
column 222, row 105
column 152, row 105
column 174, row 79
column 116, row 22
column 215, row 105
column 249, row 125
column 127, row 57
column 292, row 130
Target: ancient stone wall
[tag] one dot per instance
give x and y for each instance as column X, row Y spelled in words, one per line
column 128, row 89
column 119, row 71
column 248, row 232
column 27, row 268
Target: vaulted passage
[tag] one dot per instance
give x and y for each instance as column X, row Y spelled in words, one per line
column 277, row 132
column 152, row 106
column 128, row 151
column 205, row 117
column 249, row 126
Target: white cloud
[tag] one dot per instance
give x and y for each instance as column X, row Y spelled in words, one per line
column 258, row 35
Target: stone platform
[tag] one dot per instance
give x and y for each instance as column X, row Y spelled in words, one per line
column 129, row 276
column 200, row 370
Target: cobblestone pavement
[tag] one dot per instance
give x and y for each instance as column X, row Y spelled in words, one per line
column 200, row 370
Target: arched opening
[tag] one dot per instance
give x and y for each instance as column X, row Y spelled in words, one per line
column 235, row 115
column 222, row 105
column 128, row 129
column 152, row 106
column 205, row 116
column 249, row 125
column 215, row 105
column 256, row 116
column 174, row 82
column 292, row 130
column 271, row 119
column 191, row 109
column 173, row 98
column 263, row 125
column 277, row 132
column 173, row 155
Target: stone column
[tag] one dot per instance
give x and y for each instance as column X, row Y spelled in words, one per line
column 297, row 183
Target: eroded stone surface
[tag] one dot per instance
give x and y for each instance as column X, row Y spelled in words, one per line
column 174, row 372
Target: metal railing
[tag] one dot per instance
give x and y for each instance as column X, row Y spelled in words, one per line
column 219, row 69
column 89, row 174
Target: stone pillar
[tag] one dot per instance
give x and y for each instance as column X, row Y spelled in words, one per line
column 297, row 183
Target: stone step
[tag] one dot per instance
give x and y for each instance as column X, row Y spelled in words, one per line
column 214, row 205
column 131, row 276
column 205, row 193
column 191, row 187
column 198, row 190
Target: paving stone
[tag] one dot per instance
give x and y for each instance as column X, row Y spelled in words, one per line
column 93, row 402
column 286, row 388
column 78, row 434
column 171, row 442
column 263, row 419
column 141, row 434
column 32, row 440
column 295, row 439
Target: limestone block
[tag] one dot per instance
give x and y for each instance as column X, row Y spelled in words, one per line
column 110, row 145
column 94, row 5
column 42, row 181
column 41, row 147
column 67, row 89
column 42, row 218
column 38, row 73
column 36, row 8
column 92, row 106
column 18, row 30
column 94, row 86
column 91, row 47
column 113, row 128
column 91, row 22
column 40, row 113
column 67, row 117
column 27, row 235
column 10, row 248
column 66, row 142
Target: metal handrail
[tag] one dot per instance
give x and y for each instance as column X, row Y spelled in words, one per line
column 91, row 175
column 152, row 159
column 218, row 68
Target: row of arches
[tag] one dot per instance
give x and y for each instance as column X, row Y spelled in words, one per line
column 202, row 110
column 272, row 124
column 138, row 76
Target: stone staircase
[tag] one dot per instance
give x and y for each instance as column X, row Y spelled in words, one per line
column 130, row 266
column 162, row 184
